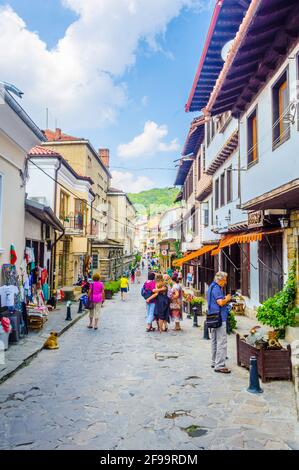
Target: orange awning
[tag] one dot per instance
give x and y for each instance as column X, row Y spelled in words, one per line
column 194, row 254
column 243, row 238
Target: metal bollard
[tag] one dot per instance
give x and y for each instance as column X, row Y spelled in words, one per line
column 254, row 382
column 80, row 309
column 68, row 311
column 205, row 331
column 195, row 324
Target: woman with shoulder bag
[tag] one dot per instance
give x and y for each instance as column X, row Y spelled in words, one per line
column 96, row 295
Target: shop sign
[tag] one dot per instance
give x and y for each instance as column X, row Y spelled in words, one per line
column 255, row 219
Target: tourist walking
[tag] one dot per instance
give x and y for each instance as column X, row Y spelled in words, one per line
column 162, row 311
column 217, row 304
column 176, row 303
column 133, row 275
column 96, row 295
column 146, row 292
column 138, row 275
column 124, row 284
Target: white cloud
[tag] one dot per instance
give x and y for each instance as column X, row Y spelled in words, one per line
column 150, row 142
column 79, row 79
column 129, row 183
column 144, row 101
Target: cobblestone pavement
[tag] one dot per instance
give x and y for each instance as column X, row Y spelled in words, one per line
column 122, row 388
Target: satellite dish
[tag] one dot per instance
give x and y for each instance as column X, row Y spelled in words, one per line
column 226, row 49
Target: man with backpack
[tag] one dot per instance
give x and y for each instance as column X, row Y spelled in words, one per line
column 146, row 292
column 216, row 321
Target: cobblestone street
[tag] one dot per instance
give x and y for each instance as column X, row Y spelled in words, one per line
column 122, row 388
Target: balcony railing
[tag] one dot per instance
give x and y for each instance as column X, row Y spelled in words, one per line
column 74, row 224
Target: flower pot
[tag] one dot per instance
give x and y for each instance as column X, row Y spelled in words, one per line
column 108, row 294
column 272, row 363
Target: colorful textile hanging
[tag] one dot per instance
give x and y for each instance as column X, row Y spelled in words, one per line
column 13, row 255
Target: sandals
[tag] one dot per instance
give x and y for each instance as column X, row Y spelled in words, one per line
column 224, row 370
column 90, row 327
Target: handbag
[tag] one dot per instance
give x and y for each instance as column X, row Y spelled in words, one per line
column 214, row 320
column 90, row 304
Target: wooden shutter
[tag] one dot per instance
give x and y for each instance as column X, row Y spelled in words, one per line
column 245, row 269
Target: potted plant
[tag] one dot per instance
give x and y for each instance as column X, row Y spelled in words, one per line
column 197, row 302
column 108, row 290
column 279, row 311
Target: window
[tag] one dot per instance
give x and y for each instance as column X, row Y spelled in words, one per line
column 95, row 261
column 213, row 128
column 203, row 158
column 222, row 189
column 212, row 212
column 64, row 203
column 280, row 101
column 252, row 147
column 89, row 162
column 206, row 215
column 217, row 193
column 229, row 192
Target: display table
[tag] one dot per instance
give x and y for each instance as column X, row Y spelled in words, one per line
column 37, row 316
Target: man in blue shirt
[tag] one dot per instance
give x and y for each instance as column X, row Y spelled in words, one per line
column 217, row 302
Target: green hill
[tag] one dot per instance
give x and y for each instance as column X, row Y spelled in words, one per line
column 154, row 200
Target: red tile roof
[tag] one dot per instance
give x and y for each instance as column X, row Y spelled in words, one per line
column 39, row 151
column 58, row 136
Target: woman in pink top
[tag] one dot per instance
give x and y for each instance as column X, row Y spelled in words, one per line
column 96, row 294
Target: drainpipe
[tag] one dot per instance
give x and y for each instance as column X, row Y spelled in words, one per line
column 53, row 257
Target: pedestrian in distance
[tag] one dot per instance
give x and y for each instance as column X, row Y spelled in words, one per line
column 96, row 296
column 176, row 303
column 124, row 284
column 133, row 275
column 138, row 275
column 217, row 306
column 147, row 291
column 162, row 311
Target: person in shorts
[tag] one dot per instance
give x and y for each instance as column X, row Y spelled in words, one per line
column 124, row 284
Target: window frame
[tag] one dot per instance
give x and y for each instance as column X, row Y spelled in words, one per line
column 216, row 190
column 253, row 117
column 275, row 93
column 229, row 184
column 64, row 195
column 222, row 189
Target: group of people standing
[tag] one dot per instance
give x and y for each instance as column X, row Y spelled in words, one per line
column 163, row 296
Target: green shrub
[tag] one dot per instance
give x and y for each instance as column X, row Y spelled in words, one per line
column 232, row 322
column 197, row 301
column 280, row 311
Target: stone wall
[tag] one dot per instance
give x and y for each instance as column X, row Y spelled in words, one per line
column 293, row 244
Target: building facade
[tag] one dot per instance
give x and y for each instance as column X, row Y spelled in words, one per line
column 18, row 134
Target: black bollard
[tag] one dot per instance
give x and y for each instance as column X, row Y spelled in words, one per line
column 254, row 382
column 80, row 309
column 205, row 331
column 68, row 312
column 195, row 324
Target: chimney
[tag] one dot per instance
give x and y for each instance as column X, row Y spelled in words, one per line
column 57, row 134
column 104, row 156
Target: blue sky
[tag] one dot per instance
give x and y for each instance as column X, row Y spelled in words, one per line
column 153, row 86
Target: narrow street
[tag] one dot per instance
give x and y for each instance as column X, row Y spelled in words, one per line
column 121, row 388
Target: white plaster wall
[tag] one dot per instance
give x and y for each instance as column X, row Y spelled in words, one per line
column 219, row 140
column 32, row 228
column 39, row 185
column 274, row 168
column 237, row 215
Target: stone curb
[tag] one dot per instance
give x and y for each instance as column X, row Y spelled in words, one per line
column 31, row 356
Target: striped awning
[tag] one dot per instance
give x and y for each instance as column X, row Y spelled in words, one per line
column 194, row 254
column 243, row 238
